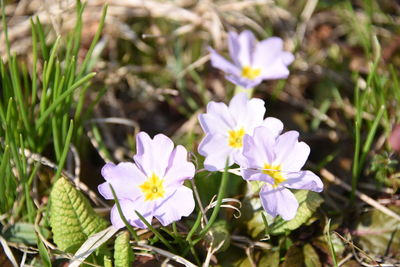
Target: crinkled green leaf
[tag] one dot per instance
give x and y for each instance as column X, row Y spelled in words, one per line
column 72, row 218
column 123, row 254
column 311, row 258
column 379, row 234
column 308, row 202
column 252, row 218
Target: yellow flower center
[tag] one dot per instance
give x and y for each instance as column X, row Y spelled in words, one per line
column 250, row 73
column 153, row 188
column 274, row 172
column 235, row 138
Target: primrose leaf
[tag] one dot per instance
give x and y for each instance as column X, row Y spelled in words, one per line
column 123, row 255
column 308, row 202
column 294, row 257
column 271, row 258
column 72, row 218
column 24, row 233
column 379, row 234
column 311, row 258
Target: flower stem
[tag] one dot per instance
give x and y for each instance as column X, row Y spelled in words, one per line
column 221, row 193
column 239, row 89
column 194, row 228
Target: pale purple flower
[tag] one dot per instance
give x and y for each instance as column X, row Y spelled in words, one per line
column 153, row 185
column 277, row 161
column 225, row 127
column 253, row 61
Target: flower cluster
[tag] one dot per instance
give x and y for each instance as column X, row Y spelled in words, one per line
column 225, row 127
column 236, row 133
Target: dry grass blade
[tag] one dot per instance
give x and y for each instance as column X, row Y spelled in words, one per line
column 335, row 180
column 8, row 252
column 349, row 242
column 91, row 244
column 169, row 255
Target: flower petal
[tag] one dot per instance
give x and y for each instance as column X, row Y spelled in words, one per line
column 119, row 176
column 287, row 58
column 256, row 175
column 234, row 47
column 303, row 180
column 277, row 70
column 247, row 43
column 216, row 150
column 297, row 157
column 274, row 125
column 219, row 62
column 278, row 201
column 264, row 142
column 267, row 52
column 143, row 157
column 128, row 209
column 243, row 82
column 270, row 58
column 256, row 151
column 179, row 168
column 159, row 148
column 181, row 203
column 247, row 113
column 253, row 153
column 284, row 146
column 217, row 119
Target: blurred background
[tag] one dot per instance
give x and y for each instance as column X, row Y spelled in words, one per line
column 154, row 75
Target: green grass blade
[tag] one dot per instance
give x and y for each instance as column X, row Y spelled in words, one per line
column 93, row 44
column 5, row 29
column 49, row 69
column 18, row 94
column 121, row 214
column 34, row 63
column 64, row 154
column 155, row 232
column 64, row 95
column 327, row 233
column 44, row 254
column 42, row 39
column 371, row 135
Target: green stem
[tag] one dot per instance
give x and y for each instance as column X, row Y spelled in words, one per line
column 156, row 233
column 239, row 89
column 221, row 193
column 174, row 229
column 194, row 228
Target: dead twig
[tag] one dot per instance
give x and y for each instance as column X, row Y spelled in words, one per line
column 335, row 180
